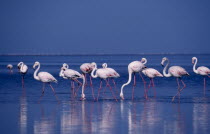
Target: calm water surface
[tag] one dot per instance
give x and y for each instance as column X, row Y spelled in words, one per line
column 21, row 113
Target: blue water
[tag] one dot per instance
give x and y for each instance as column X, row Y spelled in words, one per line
column 21, row 113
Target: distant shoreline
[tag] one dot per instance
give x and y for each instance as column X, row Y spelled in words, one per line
column 103, row 54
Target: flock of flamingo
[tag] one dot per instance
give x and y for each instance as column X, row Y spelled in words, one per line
column 105, row 73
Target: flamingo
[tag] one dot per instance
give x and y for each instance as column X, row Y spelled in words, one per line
column 23, row 68
column 112, row 73
column 73, row 75
column 10, row 66
column 86, row 68
column 44, row 77
column 175, row 71
column 103, row 74
column 204, row 71
column 133, row 67
column 151, row 73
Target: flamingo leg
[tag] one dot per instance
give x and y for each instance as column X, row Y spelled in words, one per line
column 107, row 82
column 134, row 79
column 99, row 89
column 133, row 92
column 149, row 85
column 54, row 93
column 153, row 85
column 77, row 89
column 114, row 85
column 144, row 84
column 204, row 90
column 179, row 92
column 85, row 79
column 91, row 83
column 93, row 93
column 42, row 93
column 22, row 81
column 178, row 85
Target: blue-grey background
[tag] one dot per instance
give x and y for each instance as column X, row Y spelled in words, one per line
column 104, row 26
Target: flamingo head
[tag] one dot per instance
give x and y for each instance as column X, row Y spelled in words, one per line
column 104, row 65
column 193, row 60
column 144, row 60
column 94, row 65
column 122, row 96
column 163, row 60
column 36, row 64
column 65, row 65
column 19, row 64
column 83, row 97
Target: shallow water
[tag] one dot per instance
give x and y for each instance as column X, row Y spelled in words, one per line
column 21, row 113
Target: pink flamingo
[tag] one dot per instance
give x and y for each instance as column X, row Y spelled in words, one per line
column 133, row 67
column 151, row 73
column 44, row 77
column 103, row 74
column 175, row 71
column 86, row 68
column 10, row 66
column 204, row 71
column 73, row 75
column 111, row 72
column 23, row 68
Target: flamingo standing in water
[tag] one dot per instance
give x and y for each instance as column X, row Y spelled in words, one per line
column 73, row 75
column 151, row 73
column 103, row 74
column 10, row 66
column 112, row 73
column 133, row 67
column 204, row 71
column 44, row 77
column 87, row 68
column 23, row 68
column 175, row 71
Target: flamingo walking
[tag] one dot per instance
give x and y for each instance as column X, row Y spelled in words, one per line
column 73, row 75
column 204, row 71
column 44, row 77
column 133, row 67
column 10, row 66
column 23, row 68
column 151, row 73
column 87, row 68
column 175, row 71
column 103, row 74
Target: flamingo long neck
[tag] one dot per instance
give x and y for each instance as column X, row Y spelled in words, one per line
column 128, row 82
column 92, row 73
column 83, row 83
column 194, row 66
column 61, row 73
column 21, row 67
column 145, row 61
column 164, row 70
column 35, row 73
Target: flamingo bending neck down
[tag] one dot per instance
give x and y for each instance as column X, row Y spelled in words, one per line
column 23, row 70
column 202, row 70
column 73, row 75
column 133, row 67
column 151, row 73
column 44, row 77
column 175, row 71
column 87, row 68
column 103, row 74
column 10, row 66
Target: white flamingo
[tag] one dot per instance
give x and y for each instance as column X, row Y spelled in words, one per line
column 23, row 68
column 151, row 73
column 44, row 77
column 204, row 71
column 10, row 66
column 73, row 75
column 112, row 72
column 175, row 71
column 103, row 74
column 87, row 68
column 133, row 67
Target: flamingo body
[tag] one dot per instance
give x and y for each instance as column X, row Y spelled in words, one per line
column 177, row 71
column 46, row 77
column 86, row 68
column 151, row 73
